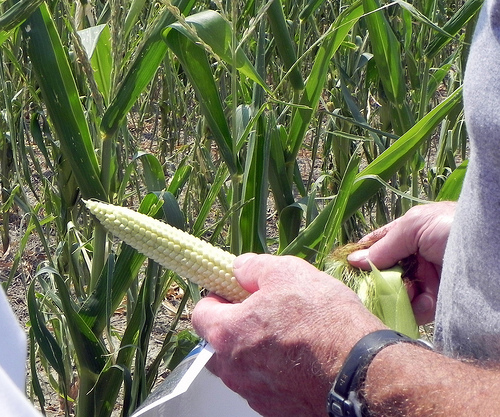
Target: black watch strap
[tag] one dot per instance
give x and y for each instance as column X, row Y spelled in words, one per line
column 343, row 400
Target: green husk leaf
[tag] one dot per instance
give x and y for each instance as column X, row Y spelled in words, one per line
column 392, row 304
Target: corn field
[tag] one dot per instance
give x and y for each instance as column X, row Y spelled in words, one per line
column 264, row 126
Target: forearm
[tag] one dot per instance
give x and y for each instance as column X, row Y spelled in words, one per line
column 405, row 380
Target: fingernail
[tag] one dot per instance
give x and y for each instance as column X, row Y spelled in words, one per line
column 358, row 256
column 242, row 259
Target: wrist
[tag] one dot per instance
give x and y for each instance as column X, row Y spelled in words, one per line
column 405, row 380
column 396, row 382
column 345, row 397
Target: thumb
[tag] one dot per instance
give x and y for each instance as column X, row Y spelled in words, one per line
column 253, row 272
column 239, row 271
column 392, row 244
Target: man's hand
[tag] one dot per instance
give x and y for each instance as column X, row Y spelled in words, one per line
column 282, row 347
column 423, row 231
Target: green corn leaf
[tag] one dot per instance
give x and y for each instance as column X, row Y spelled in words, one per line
column 142, row 70
column 195, row 63
column 278, row 177
column 388, row 163
column 96, row 41
column 145, row 301
column 357, row 114
column 35, row 379
column 215, row 189
column 316, row 79
column 180, row 178
column 4, row 35
column 48, row 344
column 452, row 27
column 34, row 224
column 325, row 228
column 284, row 44
column 255, row 188
column 290, row 211
column 17, row 14
column 133, row 14
column 110, row 380
column 418, row 15
column 153, row 171
column 338, row 207
column 453, row 184
column 386, row 51
column 61, row 97
column 290, row 220
column 186, row 340
column 170, row 343
column 127, row 266
column 311, row 7
column 212, row 31
column 90, row 352
column 172, row 213
column 437, row 78
column 37, row 135
column 387, row 54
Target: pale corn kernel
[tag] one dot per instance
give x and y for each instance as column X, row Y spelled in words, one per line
column 193, row 258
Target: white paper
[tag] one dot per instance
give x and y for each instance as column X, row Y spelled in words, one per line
column 13, row 402
column 13, row 348
column 191, row 390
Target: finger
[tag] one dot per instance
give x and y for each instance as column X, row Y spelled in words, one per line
column 394, row 243
column 361, row 258
column 249, row 283
column 423, row 229
column 424, row 308
column 207, row 310
column 377, row 234
column 254, row 272
column 422, row 291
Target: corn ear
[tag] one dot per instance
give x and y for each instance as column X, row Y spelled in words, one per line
column 185, row 254
column 392, row 304
column 382, row 292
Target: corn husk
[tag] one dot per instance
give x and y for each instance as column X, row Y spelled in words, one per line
column 383, row 292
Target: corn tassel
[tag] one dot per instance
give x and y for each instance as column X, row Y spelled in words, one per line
column 185, row 254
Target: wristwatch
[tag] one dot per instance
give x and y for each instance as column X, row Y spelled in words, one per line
column 343, row 399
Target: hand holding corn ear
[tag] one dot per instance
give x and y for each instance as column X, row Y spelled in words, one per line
column 405, row 295
column 185, row 254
